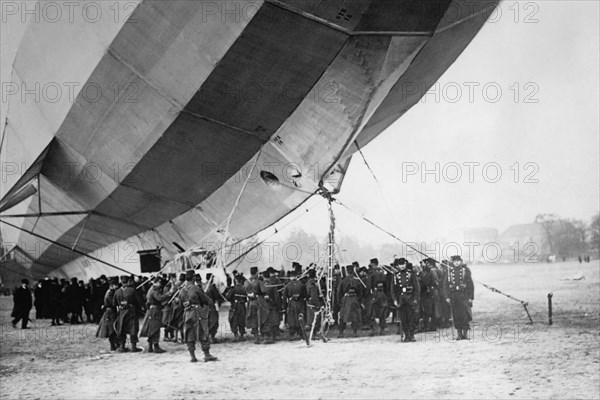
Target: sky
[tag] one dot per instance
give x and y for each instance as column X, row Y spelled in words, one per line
column 540, row 131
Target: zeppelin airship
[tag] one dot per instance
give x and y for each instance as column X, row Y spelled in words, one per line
column 175, row 122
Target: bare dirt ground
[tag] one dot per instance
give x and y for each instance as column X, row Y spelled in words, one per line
column 504, row 359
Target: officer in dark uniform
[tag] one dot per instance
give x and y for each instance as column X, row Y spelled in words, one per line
column 367, row 299
column 294, row 295
column 350, row 297
column 127, row 319
column 153, row 318
column 195, row 324
column 460, row 293
column 22, row 304
column 253, row 314
column 377, row 284
column 270, row 291
column 236, row 296
column 406, row 297
column 429, row 295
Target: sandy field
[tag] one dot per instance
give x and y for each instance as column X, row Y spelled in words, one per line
column 505, row 358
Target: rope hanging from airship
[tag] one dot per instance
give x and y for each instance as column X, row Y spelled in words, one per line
column 491, row 288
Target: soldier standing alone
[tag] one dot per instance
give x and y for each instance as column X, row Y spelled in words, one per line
column 459, row 290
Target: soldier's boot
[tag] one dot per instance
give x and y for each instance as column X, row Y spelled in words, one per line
column 134, row 348
column 113, row 345
column 150, row 348
column 341, row 334
column 193, row 355
column 291, row 335
column 158, row 349
column 256, row 338
column 122, row 348
column 242, row 337
column 208, row 357
column 236, row 337
column 354, row 332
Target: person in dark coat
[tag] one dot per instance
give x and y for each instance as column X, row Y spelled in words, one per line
column 257, row 313
column 294, row 295
column 377, row 284
column 54, row 301
column 270, row 291
column 127, row 322
column 459, row 289
column 106, row 328
column 213, row 314
column 429, row 295
column 153, row 318
column 406, row 297
column 73, row 301
column 350, row 295
column 22, row 305
column 237, row 312
column 195, row 323
column 40, row 300
column 176, row 321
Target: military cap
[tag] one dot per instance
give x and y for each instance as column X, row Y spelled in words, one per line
column 400, row 261
column 312, row 273
column 456, row 258
column 239, row 277
column 270, row 271
column 125, row 278
column 157, row 279
column 182, row 277
column 113, row 280
column 25, row 281
column 198, row 278
column 254, row 270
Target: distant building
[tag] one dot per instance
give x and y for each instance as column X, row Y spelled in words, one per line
column 523, row 243
column 481, row 235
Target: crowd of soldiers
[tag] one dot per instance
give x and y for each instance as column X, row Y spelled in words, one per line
column 423, row 297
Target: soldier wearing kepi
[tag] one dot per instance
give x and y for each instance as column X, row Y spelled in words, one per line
column 237, row 312
column 460, row 292
column 429, row 295
column 377, row 284
column 195, row 327
column 294, row 295
column 106, row 328
column 270, row 291
column 406, row 297
column 255, row 312
column 153, row 318
column 127, row 319
column 350, row 296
